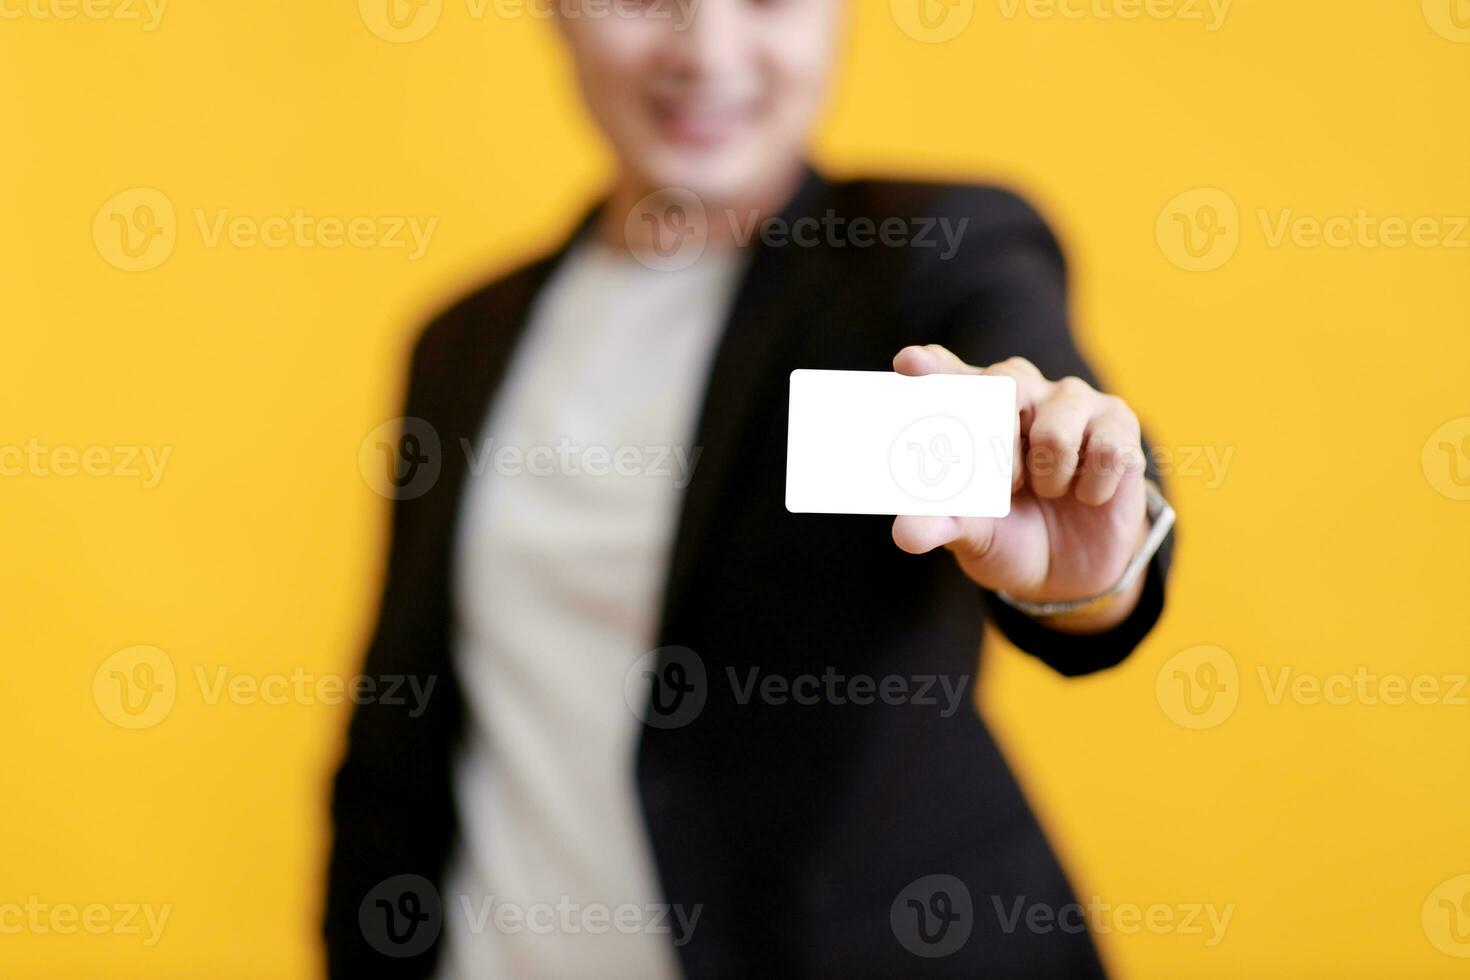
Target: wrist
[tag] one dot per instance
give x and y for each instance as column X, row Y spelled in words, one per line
column 1102, row 611
column 1118, row 607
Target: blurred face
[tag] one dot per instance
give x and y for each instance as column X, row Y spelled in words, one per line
column 714, row 96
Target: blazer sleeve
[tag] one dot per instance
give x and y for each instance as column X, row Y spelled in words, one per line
column 1003, row 293
column 391, row 808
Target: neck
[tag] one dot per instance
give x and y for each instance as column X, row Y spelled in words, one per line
column 637, row 213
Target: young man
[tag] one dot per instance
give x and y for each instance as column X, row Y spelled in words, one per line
column 546, row 814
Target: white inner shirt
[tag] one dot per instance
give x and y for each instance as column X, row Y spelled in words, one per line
column 560, row 564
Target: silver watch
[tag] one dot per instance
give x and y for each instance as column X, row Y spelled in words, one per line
column 1161, row 520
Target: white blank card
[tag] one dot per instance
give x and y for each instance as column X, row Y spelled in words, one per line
column 875, row 442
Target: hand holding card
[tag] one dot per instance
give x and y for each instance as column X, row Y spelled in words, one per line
column 1035, row 485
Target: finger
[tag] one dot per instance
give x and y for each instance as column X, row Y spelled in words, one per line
column 969, row 537
column 930, row 359
column 1054, row 440
column 937, row 359
column 1111, row 451
column 1031, row 385
column 1018, row 462
column 1031, row 388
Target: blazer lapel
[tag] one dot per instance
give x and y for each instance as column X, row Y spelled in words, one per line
column 759, row 325
column 496, row 326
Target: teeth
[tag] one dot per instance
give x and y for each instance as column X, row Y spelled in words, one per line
column 690, row 103
column 710, row 110
column 705, row 118
column 706, row 115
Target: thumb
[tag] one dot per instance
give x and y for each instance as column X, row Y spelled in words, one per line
column 931, row 359
column 970, row 538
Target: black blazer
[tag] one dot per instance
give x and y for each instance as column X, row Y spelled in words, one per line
column 799, row 828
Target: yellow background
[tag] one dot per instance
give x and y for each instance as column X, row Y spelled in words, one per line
column 1322, row 547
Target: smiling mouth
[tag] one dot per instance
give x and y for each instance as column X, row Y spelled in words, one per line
column 700, row 126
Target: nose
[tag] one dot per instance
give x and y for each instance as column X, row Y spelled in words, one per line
column 707, row 38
